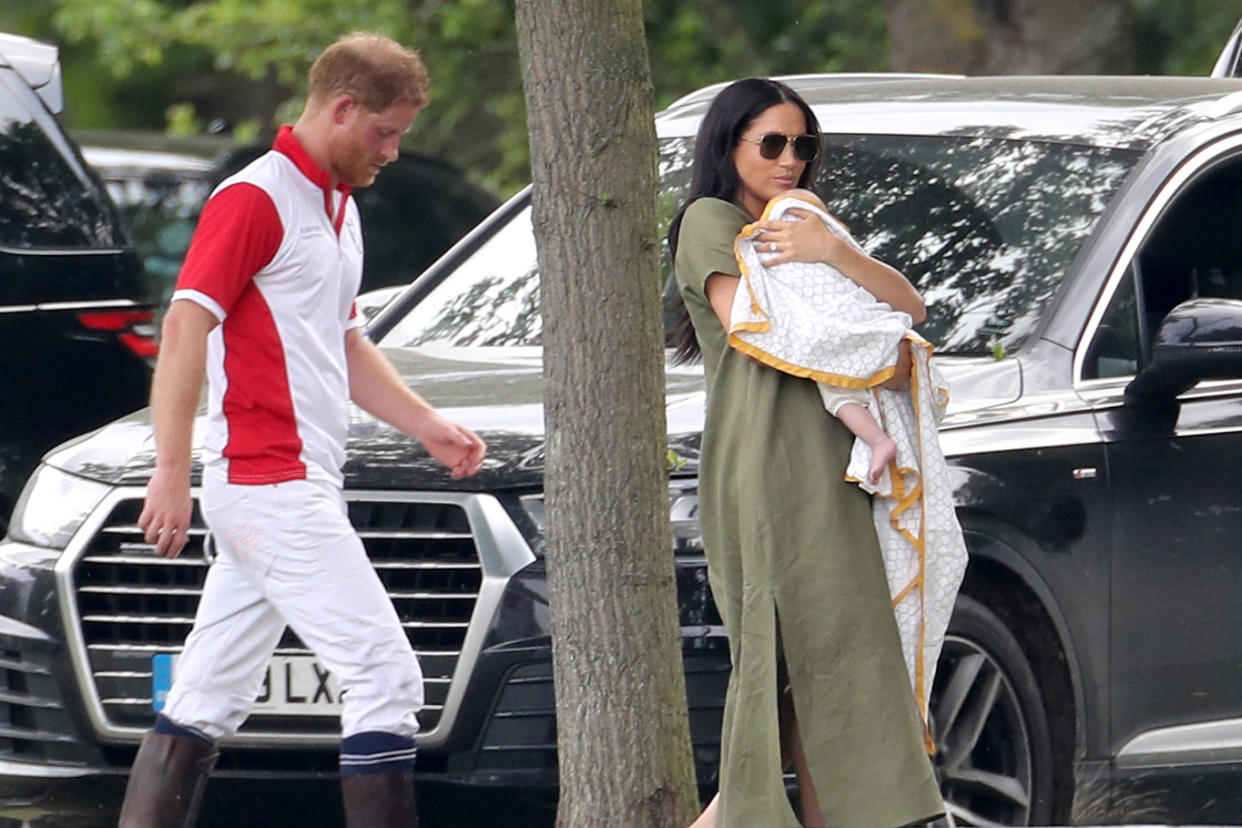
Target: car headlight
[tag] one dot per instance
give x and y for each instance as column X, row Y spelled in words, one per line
column 683, row 497
column 53, row 506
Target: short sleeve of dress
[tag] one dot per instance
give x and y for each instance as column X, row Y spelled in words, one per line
column 705, row 243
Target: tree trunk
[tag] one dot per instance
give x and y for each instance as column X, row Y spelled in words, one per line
column 623, row 734
column 1011, row 37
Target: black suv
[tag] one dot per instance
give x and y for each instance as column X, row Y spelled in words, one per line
column 1077, row 242
column 75, row 321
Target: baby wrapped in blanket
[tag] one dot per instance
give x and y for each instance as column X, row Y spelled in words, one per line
column 810, row 320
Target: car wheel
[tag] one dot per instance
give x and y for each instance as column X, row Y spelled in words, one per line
column 993, row 751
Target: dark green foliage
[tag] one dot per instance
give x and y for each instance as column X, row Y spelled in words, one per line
column 129, row 62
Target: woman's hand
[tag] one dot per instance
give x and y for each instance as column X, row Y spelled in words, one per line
column 811, row 241
column 806, row 239
column 905, row 362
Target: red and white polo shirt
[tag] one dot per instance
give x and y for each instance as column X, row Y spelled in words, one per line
column 277, row 258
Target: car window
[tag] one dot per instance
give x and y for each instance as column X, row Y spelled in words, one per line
column 1194, row 250
column 491, row 299
column 44, row 202
column 161, row 210
column 1115, row 350
column 985, row 228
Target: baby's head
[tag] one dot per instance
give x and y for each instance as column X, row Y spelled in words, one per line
column 802, row 194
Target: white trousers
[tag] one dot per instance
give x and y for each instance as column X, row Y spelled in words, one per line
column 287, row 555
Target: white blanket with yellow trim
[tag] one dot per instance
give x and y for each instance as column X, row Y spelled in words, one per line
column 924, row 552
column 812, row 321
column 808, row 318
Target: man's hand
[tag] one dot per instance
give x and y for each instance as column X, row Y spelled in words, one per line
column 165, row 518
column 456, row 446
column 375, row 385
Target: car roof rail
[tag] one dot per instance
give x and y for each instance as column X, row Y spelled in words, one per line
column 819, row 78
column 39, row 65
column 1229, row 63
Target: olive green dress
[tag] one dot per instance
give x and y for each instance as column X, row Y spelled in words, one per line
column 790, row 543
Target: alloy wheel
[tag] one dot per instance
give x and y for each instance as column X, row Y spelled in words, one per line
column 983, row 754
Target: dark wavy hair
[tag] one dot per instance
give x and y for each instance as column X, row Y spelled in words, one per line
column 715, row 176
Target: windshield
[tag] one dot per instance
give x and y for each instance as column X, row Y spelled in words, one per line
column 985, row 228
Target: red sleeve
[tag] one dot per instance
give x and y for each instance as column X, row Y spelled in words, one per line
column 238, row 233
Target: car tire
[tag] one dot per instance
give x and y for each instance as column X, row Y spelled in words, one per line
column 993, row 749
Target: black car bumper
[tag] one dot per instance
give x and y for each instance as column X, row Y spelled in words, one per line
column 55, row 766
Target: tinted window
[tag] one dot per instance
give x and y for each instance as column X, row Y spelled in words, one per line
column 157, row 202
column 492, row 298
column 1117, row 347
column 43, row 201
column 1193, row 251
column 161, row 210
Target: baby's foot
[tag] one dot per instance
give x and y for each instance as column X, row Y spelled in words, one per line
column 883, row 452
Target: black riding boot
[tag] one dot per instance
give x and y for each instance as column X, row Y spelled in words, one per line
column 379, row 800
column 166, row 782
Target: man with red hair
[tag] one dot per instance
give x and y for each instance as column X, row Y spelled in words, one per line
column 264, row 307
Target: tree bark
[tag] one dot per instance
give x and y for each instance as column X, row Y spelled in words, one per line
column 623, row 734
column 1011, row 37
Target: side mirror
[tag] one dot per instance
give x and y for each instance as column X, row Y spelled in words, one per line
column 1200, row 339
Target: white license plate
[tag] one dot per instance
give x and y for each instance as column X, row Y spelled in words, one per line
column 294, row 685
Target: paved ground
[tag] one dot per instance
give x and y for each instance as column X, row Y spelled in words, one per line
column 438, row 808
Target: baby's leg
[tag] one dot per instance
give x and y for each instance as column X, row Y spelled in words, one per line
column 883, row 449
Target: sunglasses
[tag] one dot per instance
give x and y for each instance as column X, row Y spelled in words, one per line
column 772, row 144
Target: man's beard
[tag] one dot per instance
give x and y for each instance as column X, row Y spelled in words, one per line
column 350, row 160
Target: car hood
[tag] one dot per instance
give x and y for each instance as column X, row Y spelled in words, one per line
column 498, row 392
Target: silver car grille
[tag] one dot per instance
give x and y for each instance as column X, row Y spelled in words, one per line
column 128, row 605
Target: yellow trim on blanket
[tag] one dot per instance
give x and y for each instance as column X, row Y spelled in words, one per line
column 746, row 232
column 901, row 596
column 920, row 667
column 762, row 356
column 839, row 380
column 903, row 501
